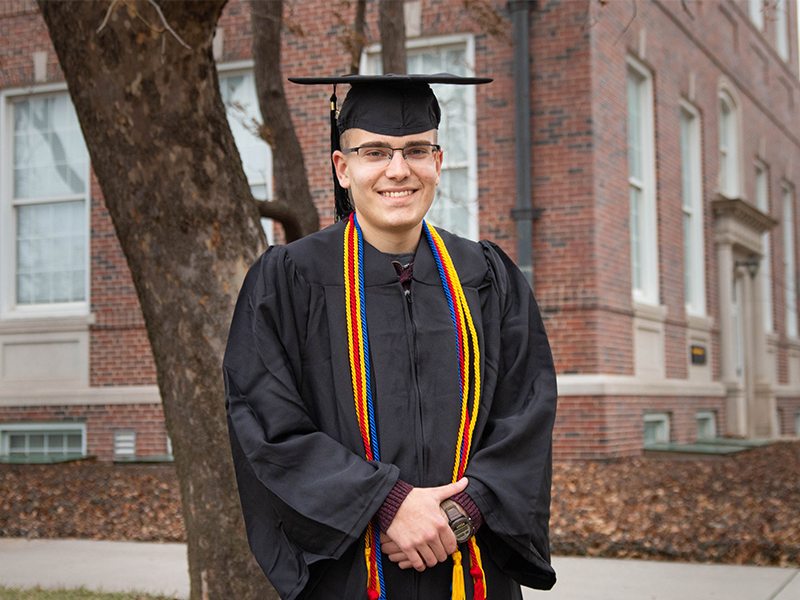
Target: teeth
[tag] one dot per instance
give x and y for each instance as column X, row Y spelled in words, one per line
column 397, row 194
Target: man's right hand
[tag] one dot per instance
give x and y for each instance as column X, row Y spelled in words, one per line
column 420, row 534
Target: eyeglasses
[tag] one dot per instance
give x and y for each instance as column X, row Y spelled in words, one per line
column 418, row 154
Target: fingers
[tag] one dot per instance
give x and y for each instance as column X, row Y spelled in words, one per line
column 451, row 489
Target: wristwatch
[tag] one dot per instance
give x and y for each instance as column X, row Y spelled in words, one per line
column 460, row 524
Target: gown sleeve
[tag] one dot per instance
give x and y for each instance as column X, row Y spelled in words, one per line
column 510, row 471
column 305, row 496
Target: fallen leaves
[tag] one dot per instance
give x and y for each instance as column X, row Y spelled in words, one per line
column 741, row 509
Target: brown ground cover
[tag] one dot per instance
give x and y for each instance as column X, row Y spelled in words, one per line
column 743, row 509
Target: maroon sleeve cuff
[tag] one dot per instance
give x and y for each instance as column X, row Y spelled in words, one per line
column 391, row 505
column 464, row 499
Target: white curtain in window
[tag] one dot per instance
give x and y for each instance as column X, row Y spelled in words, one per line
column 50, row 171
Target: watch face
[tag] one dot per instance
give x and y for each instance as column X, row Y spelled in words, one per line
column 463, row 531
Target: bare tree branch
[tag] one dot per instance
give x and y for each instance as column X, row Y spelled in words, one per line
column 633, row 18
column 138, row 14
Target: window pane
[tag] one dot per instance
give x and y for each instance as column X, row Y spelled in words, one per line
column 56, row 443
column 36, row 443
column 634, row 129
column 16, row 444
column 450, row 209
column 74, row 445
column 636, row 246
column 50, row 157
column 241, row 105
column 51, row 252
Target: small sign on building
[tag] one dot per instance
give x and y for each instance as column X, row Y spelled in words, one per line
column 698, row 355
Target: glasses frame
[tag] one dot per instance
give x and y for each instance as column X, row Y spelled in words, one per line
column 436, row 148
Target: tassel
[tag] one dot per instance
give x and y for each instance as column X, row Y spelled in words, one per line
column 476, row 570
column 459, row 592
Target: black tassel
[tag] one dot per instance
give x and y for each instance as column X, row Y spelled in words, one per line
column 341, row 199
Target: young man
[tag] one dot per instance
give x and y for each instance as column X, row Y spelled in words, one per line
column 390, row 388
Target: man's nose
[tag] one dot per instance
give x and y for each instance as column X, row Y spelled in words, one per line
column 398, row 167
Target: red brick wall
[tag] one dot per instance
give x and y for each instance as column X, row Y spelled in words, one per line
column 101, row 420
column 613, row 426
column 788, row 409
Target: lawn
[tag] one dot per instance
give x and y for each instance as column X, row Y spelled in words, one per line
column 77, row 594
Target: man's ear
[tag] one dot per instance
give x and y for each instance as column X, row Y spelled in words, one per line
column 340, row 164
column 439, row 159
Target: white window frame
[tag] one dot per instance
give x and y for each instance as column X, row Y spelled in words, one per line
column 694, row 260
column 9, row 309
column 44, row 428
column 762, row 203
column 729, row 185
column 647, row 292
column 662, row 421
column 708, row 416
column 246, row 67
column 756, row 10
column 467, row 40
column 789, row 254
column 781, row 29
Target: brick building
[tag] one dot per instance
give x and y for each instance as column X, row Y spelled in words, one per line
column 664, row 155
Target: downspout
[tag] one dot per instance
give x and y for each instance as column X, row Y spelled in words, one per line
column 523, row 212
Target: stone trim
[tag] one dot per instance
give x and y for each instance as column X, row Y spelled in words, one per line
column 624, row 385
column 127, row 394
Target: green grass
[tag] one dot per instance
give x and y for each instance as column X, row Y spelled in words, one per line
column 74, row 594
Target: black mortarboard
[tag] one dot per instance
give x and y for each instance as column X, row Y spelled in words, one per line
column 383, row 104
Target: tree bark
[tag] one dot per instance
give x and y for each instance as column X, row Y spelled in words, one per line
column 293, row 205
column 165, row 158
column 392, row 24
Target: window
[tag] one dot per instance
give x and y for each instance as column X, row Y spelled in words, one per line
column 757, row 13
column 656, row 429
column 641, row 179
column 706, row 425
column 45, row 207
column 762, row 202
column 797, row 423
column 728, row 147
column 124, row 445
column 238, row 90
column 788, row 263
column 42, row 441
column 692, row 188
column 455, row 206
column 781, row 31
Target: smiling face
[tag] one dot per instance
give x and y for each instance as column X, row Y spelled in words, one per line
column 390, row 199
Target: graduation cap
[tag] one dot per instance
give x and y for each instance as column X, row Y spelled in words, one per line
column 390, row 104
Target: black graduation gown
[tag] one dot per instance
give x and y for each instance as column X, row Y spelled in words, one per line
column 307, row 491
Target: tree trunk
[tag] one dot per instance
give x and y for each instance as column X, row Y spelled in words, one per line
column 392, row 24
column 165, row 158
column 293, row 205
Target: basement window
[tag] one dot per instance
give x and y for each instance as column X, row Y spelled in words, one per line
column 706, row 425
column 42, row 442
column 656, row 428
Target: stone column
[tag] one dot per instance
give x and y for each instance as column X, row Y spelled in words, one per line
column 735, row 420
column 762, row 413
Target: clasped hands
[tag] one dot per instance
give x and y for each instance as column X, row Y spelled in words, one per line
column 420, row 535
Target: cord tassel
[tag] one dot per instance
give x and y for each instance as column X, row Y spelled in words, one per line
column 459, row 591
column 477, row 572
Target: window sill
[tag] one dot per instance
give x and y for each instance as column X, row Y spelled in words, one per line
column 45, row 324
